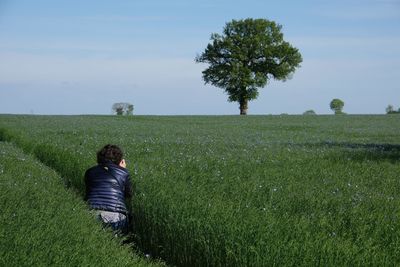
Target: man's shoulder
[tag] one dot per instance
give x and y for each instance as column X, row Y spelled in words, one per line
column 118, row 171
column 92, row 169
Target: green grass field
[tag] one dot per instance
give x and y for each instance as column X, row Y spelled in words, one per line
column 242, row 191
column 42, row 224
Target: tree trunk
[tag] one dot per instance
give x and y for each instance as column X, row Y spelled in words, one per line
column 243, row 106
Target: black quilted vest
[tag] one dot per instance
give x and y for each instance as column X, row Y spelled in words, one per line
column 106, row 186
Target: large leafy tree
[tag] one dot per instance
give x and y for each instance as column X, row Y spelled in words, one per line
column 246, row 56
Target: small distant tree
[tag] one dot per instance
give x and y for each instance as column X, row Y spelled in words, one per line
column 130, row 110
column 390, row 110
column 118, row 108
column 309, row 112
column 337, row 105
column 122, row 108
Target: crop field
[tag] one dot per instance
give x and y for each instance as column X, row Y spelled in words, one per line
column 45, row 225
column 242, row 191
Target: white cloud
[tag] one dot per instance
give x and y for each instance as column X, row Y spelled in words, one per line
column 19, row 67
column 348, row 42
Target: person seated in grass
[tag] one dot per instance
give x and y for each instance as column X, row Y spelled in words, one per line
column 109, row 188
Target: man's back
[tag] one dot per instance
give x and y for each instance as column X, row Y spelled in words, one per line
column 107, row 187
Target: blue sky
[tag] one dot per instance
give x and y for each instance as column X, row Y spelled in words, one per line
column 80, row 57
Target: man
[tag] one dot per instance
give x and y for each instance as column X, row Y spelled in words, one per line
column 109, row 188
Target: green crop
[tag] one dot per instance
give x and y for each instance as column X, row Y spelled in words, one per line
column 42, row 224
column 242, row 191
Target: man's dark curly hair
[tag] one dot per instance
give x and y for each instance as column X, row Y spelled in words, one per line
column 110, row 153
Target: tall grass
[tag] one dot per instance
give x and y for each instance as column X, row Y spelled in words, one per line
column 42, row 224
column 234, row 191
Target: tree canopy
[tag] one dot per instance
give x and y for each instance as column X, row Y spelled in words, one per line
column 337, row 105
column 122, row 108
column 246, row 56
column 390, row 110
column 309, row 112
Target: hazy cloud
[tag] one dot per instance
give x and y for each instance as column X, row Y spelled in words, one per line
column 377, row 10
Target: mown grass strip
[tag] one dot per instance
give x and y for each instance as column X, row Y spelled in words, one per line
column 42, row 224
